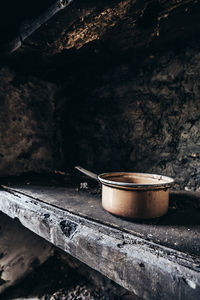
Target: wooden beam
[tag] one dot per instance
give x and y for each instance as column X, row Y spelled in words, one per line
column 149, row 270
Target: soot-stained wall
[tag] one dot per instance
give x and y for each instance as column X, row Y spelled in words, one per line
column 26, row 124
column 108, row 86
column 142, row 116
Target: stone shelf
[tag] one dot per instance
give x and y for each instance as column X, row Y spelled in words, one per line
column 154, row 259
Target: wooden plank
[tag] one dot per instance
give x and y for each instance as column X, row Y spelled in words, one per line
column 149, row 270
column 179, row 229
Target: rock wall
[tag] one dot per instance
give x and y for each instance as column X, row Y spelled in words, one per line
column 27, row 127
column 140, row 116
column 110, row 86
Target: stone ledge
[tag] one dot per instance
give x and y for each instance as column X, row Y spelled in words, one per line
column 149, row 270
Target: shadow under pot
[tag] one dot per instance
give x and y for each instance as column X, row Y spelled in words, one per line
column 134, row 195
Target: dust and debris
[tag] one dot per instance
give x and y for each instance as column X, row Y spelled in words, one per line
column 84, row 186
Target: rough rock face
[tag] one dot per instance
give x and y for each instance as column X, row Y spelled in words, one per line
column 144, row 120
column 21, row 251
column 26, row 124
column 127, row 81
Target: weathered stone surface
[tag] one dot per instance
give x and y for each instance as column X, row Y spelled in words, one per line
column 179, row 229
column 147, row 269
column 20, row 251
column 127, row 76
column 137, row 116
column 26, row 124
column 120, row 25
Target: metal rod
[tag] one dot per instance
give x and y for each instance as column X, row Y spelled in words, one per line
column 88, row 173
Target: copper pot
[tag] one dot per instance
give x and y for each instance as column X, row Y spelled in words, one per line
column 134, row 195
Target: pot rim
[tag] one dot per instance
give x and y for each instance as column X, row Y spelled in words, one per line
column 166, row 181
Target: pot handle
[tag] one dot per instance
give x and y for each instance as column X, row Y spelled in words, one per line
column 88, row 173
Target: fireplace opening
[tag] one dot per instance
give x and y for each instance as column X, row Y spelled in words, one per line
column 104, row 99
column 113, row 87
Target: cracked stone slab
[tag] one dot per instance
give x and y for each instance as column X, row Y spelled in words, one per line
column 148, row 269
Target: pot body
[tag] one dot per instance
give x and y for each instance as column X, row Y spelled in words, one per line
column 135, row 204
column 134, row 195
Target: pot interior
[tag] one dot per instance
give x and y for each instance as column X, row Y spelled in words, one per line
column 135, row 179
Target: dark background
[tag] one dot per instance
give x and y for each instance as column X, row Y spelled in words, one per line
column 110, row 86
